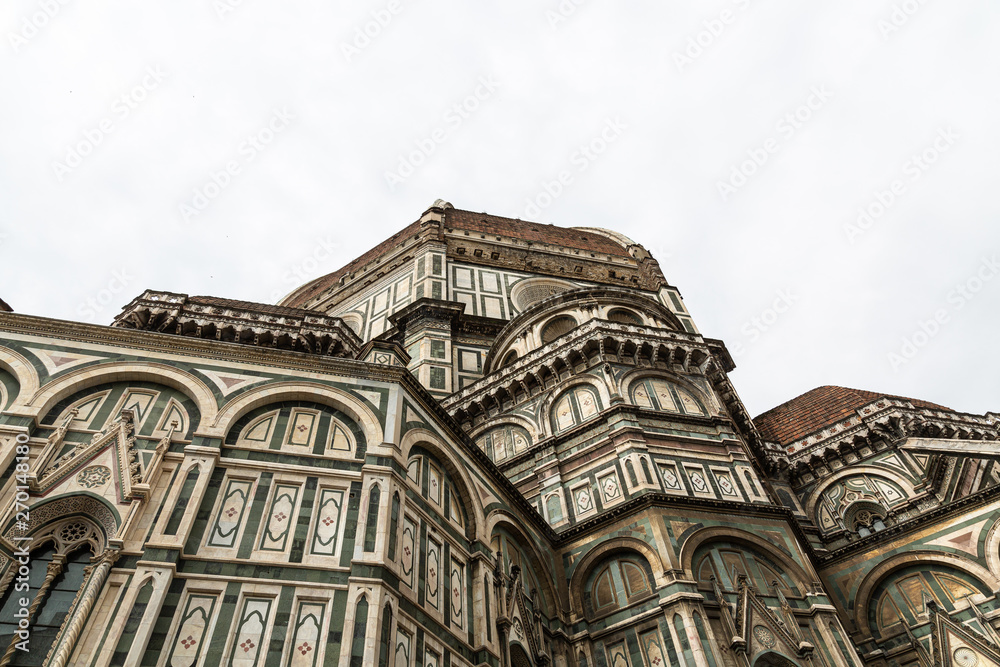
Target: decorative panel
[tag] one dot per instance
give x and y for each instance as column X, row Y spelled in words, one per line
column 231, row 511
column 328, row 514
column 280, row 517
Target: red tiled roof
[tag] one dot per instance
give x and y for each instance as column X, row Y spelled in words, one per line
column 480, row 223
column 532, row 231
column 818, row 408
column 323, row 282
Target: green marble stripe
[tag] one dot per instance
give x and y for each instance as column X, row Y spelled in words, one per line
column 256, row 510
column 280, row 628
column 351, row 525
column 132, row 624
column 225, row 619
column 302, row 525
column 182, row 500
column 203, row 517
column 335, row 636
column 114, row 614
column 162, row 626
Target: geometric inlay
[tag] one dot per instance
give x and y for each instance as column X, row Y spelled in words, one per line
column 56, row 362
column 93, row 476
column 764, row 636
column 229, row 382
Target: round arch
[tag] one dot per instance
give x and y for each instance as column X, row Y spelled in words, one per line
column 27, row 377
column 638, row 374
column 546, row 408
column 863, row 592
column 512, row 420
column 803, row 577
column 895, row 478
column 297, row 391
column 503, row 519
column 118, row 371
column 457, row 473
column 598, row 553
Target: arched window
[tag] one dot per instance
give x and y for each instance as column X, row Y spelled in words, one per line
column 631, row 472
column 358, row 639
column 727, row 560
column 658, row 394
column 575, row 406
column 553, row 508
column 902, row 595
column 645, row 470
column 624, row 316
column 617, row 583
column 55, row 605
column 504, row 441
column 556, row 327
column 434, row 484
column 384, row 648
column 371, row 523
column 393, row 526
column 510, row 358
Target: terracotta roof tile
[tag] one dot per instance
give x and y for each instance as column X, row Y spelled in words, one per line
column 577, row 239
column 481, row 223
column 818, row 408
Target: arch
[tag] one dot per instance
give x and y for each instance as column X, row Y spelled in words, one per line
column 802, row 576
column 500, row 519
column 624, row 316
column 456, row 470
column 621, row 544
column 556, row 326
column 531, row 427
column 526, row 293
column 814, row 496
column 707, row 399
column 773, row 659
column 117, row 371
column 297, row 391
column 22, row 370
column 862, row 593
column 992, row 546
column 78, row 504
column 510, row 428
column 546, row 408
column 519, row 656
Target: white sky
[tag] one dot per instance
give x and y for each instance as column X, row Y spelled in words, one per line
column 71, row 227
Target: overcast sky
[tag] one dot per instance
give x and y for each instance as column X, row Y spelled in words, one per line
column 222, row 146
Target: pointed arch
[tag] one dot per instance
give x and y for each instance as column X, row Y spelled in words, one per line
column 457, row 472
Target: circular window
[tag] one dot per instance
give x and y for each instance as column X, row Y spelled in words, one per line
column 557, row 327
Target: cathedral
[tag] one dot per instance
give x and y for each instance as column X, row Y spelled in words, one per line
column 485, row 441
